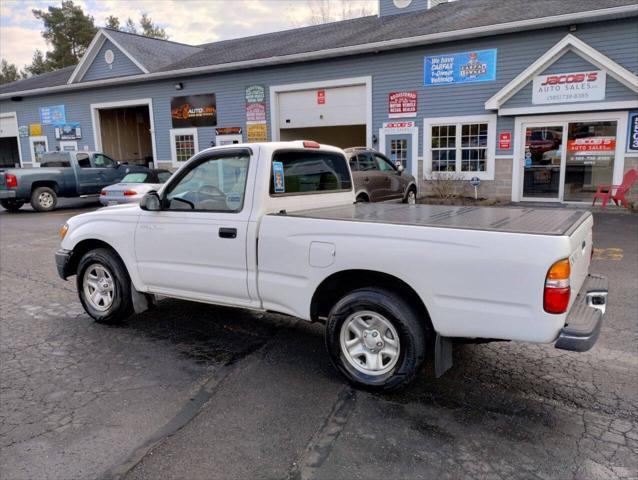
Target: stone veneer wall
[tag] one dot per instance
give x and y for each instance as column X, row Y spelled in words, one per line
column 498, row 189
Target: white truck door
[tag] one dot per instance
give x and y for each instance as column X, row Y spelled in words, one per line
column 195, row 247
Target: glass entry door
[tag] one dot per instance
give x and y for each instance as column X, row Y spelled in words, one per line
column 543, row 162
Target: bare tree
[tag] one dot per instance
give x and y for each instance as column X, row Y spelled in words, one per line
column 316, row 12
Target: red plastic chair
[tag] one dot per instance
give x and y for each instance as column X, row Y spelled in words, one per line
column 606, row 192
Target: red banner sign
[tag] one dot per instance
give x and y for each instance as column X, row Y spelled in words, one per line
column 402, row 104
column 255, row 112
column 592, row 144
column 321, row 97
column 504, row 140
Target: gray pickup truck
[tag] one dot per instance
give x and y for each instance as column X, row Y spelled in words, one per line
column 61, row 174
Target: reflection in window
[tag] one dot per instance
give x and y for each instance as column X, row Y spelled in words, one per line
column 312, row 172
column 444, row 148
column 217, row 184
column 464, row 142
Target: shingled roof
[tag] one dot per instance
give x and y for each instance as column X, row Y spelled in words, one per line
column 166, row 56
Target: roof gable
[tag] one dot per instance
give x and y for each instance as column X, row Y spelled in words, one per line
column 553, row 56
column 110, row 65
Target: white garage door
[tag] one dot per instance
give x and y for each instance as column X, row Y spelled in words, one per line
column 8, row 127
column 323, row 107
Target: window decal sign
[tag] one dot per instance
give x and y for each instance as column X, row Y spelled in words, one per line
column 278, row 177
column 465, row 67
column 194, row 111
column 402, row 104
column 52, row 115
column 632, row 141
column 569, row 87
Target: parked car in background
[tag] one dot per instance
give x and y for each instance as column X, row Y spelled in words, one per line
column 61, row 174
column 133, row 187
column 377, row 179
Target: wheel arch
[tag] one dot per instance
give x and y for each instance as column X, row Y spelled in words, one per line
column 334, row 287
column 87, row 245
column 52, row 184
column 362, row 193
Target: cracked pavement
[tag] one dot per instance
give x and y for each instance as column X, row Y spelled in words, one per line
column 190, row 391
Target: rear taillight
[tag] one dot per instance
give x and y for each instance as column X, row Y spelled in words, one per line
column 11, row 181
column 103, row 193
column 557, row 288
column 129, row 193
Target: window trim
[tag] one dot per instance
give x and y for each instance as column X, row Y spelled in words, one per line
column 32, row 140
column 294, row 194
column 428, row 123
column 174, row 132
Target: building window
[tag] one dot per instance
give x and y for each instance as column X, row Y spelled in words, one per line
column 184, row 144
column 460, row 145
column 39, row 145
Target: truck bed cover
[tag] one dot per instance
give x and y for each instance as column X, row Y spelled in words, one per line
column 535, row 221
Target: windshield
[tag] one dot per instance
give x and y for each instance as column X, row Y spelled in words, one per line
column 135, row 178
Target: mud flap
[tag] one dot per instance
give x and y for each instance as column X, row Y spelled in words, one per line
column 442, row 355
column 141, row 301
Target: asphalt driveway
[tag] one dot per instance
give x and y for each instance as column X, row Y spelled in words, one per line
column 194, row 391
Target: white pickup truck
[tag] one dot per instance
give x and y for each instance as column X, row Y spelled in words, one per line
column 240, row 226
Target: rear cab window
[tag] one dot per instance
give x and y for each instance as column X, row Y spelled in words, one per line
column 55, row 159
column 299, row 172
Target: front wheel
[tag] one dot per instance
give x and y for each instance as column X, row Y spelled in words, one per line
column 410, row 197
column 376, row 339
column 11, row 205
column 44, row 199
column 104, row 286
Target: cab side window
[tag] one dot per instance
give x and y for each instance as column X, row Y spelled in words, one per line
column 216, row 184
column 102, row 161
column 83, row 160
column 296, row 172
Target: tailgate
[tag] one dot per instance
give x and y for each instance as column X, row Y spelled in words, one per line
column 581, row 245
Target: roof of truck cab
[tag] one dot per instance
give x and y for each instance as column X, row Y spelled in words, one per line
column 535, row 221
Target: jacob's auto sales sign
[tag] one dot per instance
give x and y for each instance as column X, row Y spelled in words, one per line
column 569, row 87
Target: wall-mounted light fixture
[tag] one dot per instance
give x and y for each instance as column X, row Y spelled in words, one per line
column 179, row 86
column 572, row 28
column 374, row 138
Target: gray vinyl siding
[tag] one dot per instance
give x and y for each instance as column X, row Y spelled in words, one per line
column 571, row 62
column 390, row 71
column 121, row 67
column 387, row 7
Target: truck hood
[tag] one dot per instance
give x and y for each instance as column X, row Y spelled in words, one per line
column 128, row 210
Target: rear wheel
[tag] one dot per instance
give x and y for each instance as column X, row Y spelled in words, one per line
column 410, row 197
column 104, row 286
column 376, row 339
column 11, row 205
column 44, row 199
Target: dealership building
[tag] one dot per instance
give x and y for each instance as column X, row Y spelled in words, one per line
column 536, row 99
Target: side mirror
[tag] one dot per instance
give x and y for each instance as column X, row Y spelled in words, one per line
column 151, row 202
column 400, row 167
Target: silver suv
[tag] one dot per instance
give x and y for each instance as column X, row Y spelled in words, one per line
column 377, row 179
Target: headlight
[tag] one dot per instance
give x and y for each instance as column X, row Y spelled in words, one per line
column 63, row 229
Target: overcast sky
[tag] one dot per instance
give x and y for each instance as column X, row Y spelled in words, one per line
column 187, row 21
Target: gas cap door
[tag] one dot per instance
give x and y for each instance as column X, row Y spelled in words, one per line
column 322, row 254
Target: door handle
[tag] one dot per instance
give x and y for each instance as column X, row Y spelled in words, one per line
column 228, row 233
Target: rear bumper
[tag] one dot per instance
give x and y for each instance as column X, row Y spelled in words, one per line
column 7, row 194
column 585, row 318
column 62, row 260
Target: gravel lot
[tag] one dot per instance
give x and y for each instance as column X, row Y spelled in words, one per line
column 194, row 391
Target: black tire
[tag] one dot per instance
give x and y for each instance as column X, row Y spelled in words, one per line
column 44, row 199
column 405, row 320
column 121, row 306
column 12, row 205
column 412, row 189
column 363, row 199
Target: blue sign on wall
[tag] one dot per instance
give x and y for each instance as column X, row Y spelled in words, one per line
column 53, row 115
column 632, row 135
column 466, row 67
